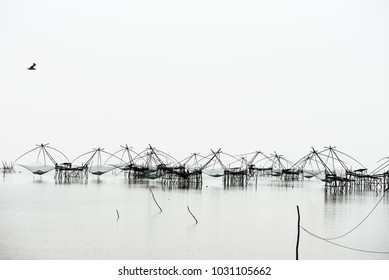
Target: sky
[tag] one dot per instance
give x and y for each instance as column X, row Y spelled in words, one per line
column 190, row 76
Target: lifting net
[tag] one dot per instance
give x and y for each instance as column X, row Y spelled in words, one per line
column 100, row 170
column 38, row 168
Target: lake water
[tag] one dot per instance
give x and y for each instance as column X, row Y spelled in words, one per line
column 43, row 220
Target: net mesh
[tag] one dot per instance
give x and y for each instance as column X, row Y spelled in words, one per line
column 38, row 168
column 100, row 170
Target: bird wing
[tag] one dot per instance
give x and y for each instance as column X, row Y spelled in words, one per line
column 32, row 67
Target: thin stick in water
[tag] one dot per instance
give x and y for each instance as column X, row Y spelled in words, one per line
column 117, row 212
column 155, row 200
column 298, row 233
column 192, row 215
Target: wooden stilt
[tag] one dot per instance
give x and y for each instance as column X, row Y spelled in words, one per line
column 298, row 233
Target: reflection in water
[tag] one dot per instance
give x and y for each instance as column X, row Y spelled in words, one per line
column 257, row 221
column 38, row 180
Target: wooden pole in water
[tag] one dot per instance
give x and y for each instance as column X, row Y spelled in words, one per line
column 298, row 233
column 192, row 215
column 117, row 212
column 155, row 200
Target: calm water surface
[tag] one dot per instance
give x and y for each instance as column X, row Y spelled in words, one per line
column 43, row 220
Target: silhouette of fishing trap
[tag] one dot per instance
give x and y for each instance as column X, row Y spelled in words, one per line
column 155, row 164
column 95, row 164
column 339, row 171
column 275, row 165
column 7, row 168
column 47, row 159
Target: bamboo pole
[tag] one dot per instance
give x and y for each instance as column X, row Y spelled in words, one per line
column 155, row 200
column 192, row 215
column 298, row 233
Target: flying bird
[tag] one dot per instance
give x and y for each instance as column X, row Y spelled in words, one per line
column 32, row 67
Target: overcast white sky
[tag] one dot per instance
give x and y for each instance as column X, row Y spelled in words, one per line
column 188, row 76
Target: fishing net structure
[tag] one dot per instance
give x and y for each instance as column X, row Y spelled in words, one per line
column 330, row 165
column 122, row 159
column 198, row 163
column 381, row 173
column 311, row 166
column 218, row 162
column 273, row 165
column 41, row 159
column 327, row 163
column 340, row 172
column 233, row 169
column 151, row 163
column 257, row 163
column 38, row 168
column 195, row 162
column 7, row 168
column 95, row 161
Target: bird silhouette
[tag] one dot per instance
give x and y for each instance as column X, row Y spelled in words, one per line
column 32, row 67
